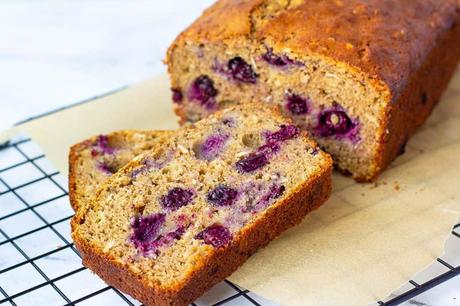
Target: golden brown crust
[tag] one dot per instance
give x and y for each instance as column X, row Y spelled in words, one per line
column 423, row 91
column 223, row 262
column 387, row 40
column 73, row 158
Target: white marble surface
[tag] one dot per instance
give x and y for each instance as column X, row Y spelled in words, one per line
column 54, row 53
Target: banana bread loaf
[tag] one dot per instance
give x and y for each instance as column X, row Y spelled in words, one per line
column 360, row 75
column 94, row 160
column 178, row 219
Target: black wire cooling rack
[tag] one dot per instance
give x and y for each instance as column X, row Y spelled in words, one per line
column 39, row 264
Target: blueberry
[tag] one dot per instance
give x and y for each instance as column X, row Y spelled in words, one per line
column 102, row 141
column 269, row 148
column 102, row 146
column 252, row 162
column 285, row 132
column 177, row 95
column 334, row 122
column 106, row 168
column 147, row 237
column 146, row 229
column 203, row 91
column 222, row 196
column 176, row 198
column 212, row 146
column 216, row 235
column 276, row 60
column 241, row 71
column 164, row 240
column 297, row 105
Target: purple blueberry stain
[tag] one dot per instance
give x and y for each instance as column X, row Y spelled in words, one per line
column 269, row 148
column 336, row 122
column 252, row 162
column 149, row 163
column 260, row 158
column 274, row 192
column 212, row 146
column 285, row 132
column 177, row 95
column 222, row 196
column 146, row 229
column 102, row 146
column 216, row 235
column 297, row 105
column 241, row 71
column 147, row 234
column 176, row 198
column 276, row 59
column 203, row 91
column 105, row 168
column 164, row 240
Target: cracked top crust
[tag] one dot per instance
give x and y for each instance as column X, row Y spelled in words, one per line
column 387, row 40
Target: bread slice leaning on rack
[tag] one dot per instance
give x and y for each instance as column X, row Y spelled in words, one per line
column 180, row 218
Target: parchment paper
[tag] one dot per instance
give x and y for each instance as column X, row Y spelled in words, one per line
column 365, row 242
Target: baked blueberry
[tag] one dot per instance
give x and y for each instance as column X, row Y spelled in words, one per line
column 334, row 122
column 241, row 71
column 203, row 91
column 285, row 132
column 216, row 235
column 212, row 146
column 297, row 105
column 222, row 196
column 176, row 198
column 177, row 95
column 252, row 162
column 146, row 229
column 276, row 60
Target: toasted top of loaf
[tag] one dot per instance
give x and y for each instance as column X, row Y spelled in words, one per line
column 166, row 212
column 387, row 40
column 94, row 160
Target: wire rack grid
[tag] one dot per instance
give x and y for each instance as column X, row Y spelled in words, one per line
column 39, row 264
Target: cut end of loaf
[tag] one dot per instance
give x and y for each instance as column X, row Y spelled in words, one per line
column 343, row 111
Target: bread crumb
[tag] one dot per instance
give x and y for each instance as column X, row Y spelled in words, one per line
column 241, row 154
column 396, row 186
column 182, row 149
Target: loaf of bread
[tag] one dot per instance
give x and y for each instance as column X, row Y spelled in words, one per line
column 180, row 218
column 360, row 75
column 94, row 160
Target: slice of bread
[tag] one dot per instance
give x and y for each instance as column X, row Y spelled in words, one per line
column 93, row 161
column 180, row 218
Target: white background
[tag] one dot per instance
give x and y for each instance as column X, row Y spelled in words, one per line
column 54, row 53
